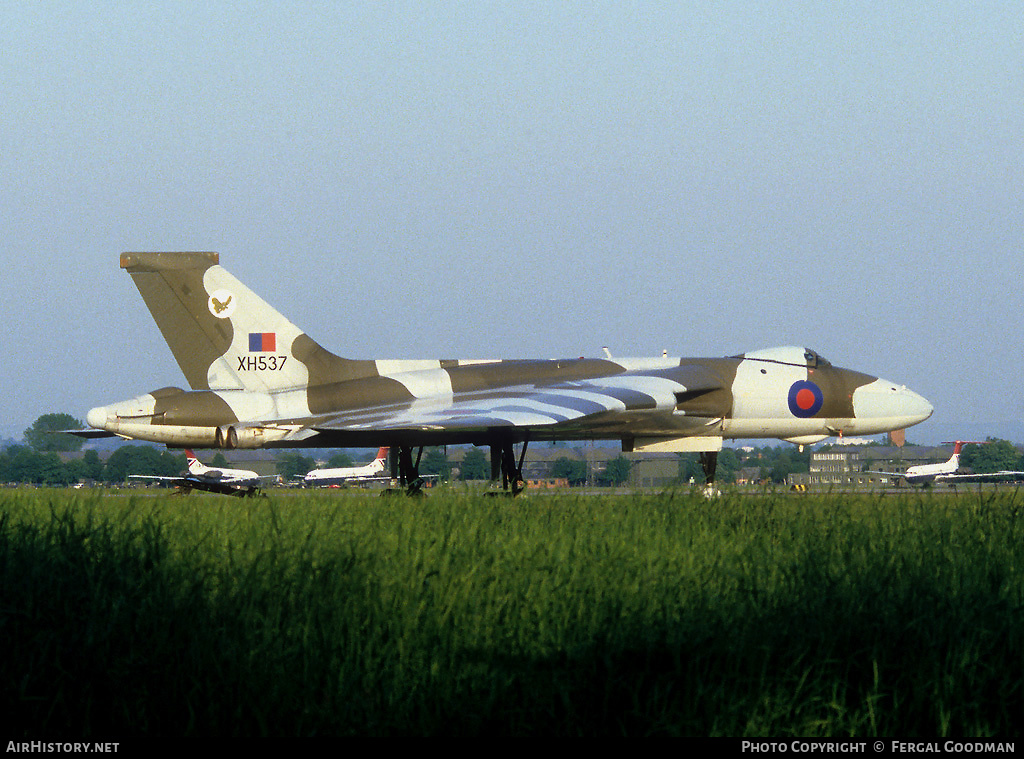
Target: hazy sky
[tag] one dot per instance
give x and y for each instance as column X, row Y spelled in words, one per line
column 501, row 180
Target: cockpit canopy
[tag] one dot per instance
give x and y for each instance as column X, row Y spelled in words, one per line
column 789, row 354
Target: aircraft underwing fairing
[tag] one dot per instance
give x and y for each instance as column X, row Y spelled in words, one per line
column 257, row 380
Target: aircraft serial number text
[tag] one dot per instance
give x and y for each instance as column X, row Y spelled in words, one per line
column 261, row 363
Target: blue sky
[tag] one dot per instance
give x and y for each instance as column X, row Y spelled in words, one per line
column 440, row 180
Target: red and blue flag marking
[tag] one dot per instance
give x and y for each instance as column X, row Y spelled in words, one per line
column 262, row 342
column 805, row 399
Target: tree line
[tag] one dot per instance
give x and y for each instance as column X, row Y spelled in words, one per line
column 38, row 461
column 20, row 463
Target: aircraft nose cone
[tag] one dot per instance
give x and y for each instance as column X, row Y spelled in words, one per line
column 917, row 406
column 889, row 406
column 97, row 417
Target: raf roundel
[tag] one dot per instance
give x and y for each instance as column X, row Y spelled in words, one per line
column 805, row 399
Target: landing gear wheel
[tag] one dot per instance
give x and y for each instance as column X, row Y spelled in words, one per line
column 505, row 464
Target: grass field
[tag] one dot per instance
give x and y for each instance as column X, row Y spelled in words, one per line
column 455, row 614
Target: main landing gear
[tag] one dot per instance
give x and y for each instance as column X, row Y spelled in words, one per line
column 709, row 463
column 406, row 470
column 505, row 465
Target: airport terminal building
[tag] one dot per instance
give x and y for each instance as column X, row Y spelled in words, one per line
column 844, row 465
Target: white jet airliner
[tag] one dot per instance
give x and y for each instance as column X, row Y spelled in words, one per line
column 240, row 482
column 926, row 474
column 372, row 472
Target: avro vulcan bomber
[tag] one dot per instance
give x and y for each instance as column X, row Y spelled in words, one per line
column 256, row 380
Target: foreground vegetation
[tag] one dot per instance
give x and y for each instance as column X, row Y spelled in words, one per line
column 313, row 614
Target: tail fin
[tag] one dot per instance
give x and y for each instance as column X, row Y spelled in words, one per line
column 959, row 444
column 381, row 461
column 223, row 335
column 195, row 466
column 957, row 448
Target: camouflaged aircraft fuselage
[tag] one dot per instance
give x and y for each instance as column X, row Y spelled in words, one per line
column 257, row 380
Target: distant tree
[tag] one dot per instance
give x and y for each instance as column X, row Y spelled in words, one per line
column 475, row 465
column 146, row 460
column 138, row 459
column 993, row 456
column 435, row 461
column 573, row 471
column 781, row 469
column 293, row 464
column 801, row 460
column 726, row 468
column 175, row 463
column 91, row 466
column 690, row 469
column 219, row 461
column 728, row 465
column 51, row 470
column 5, row 465
column 40, row 436
column 339, row 460
column 17, row 464
column 616, row 472
column 20, row 463
column 75, row 470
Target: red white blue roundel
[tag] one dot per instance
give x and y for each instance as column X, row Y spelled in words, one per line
column 805, row 399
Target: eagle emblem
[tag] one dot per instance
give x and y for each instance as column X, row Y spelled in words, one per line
column 221, row 304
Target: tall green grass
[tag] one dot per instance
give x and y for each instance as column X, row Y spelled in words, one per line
column 458, row 614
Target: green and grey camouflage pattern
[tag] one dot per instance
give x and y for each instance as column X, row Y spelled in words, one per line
column 257, row 380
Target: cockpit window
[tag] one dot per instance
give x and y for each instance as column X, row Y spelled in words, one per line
column 787, row 354
column 815, row 359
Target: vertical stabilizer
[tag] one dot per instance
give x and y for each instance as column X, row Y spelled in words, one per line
column 195, row 466
column 171, row 284
column 958, row 446
column 222, row 334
